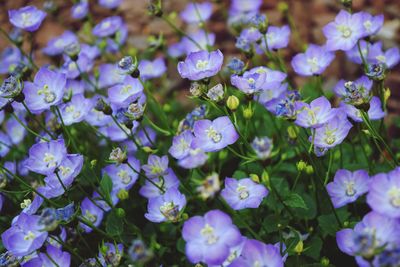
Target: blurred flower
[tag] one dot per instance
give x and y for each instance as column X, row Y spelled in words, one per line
column 124, row 93
column 152, row 69
column 110, row 3
column 313, row 62
column 216, row 93
column 80, row 9
column 138, row 252
column 200, row 65
column 28, row 18
column 209, row 186
column 91, row 213
column 56, row 45
column 107, row 26
column 236, row 66
column 262, row 146
column 196, row 12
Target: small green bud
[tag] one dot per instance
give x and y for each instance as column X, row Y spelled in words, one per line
column 265, row 179
column 223, row 154
column 123, row 194
column 301, row 166
column 299, row 247
column 325, row 261
column 283, row 7
column 247, row 113
column 93, row 163
column 120, row 212
column 147, row 149
column 255, row 178
column 232, row 102
column 292, row 132
column 309, row 169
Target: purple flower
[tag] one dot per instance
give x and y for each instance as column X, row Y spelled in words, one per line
column 375, row 111
column 166, row 182
column 243, row 193
column 245, row 6
column 80, row 9
column 75, row 110
column 384, row 193
column 344, row 32
column 56, row 45
column 176, row 50
column 24, row 236
column 210, row 237
column 122, row 176
column 354, row 92
column 156, row 166
column 390, row 57
column 256, row 253
column 110, row 75
column 277, row 37
column 262, row 146
column 371, row 24
column 46, row 90
column 28, row 18
column 125, row 92
column 113, row 255
column 72, row 69
column 313, row 62
column 167, row 207
column 197, row 12
column 182, row 149
column 152, row 69
column 250, row 35
column 354, row 54
column 347, row 186
column 369, row 236
column 63, row 259
column 107, row 26
column 110, row 3
column 214, row 135
column 9, row 59
column 15, row 130
column 249, row 82
column 200, row 65
column 315, row 114
column 91, row 213
column 202, row 39
column 45, row 157
column 333, row 132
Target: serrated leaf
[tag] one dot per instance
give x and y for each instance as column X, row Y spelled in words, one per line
column 295, row 201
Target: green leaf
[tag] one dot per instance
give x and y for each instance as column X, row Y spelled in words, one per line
column 180, row 245
column 114, row 224
column 239, row 174
column 313, row 247
column 329, row 224
column 295, row 201
column 106, row 187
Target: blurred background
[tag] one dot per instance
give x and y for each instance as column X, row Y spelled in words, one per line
column 308, row 17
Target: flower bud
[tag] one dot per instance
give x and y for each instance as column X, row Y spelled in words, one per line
column 292, row 132
column 196, row 89
column 301, row 166
column 232, row 102
column 265, row 179
column 247, row 113
column 122, row 194
column 255, row 178
column 93, row 163
column 325, row 261
column 120, row 212
column 309, row 169
column 299, row 247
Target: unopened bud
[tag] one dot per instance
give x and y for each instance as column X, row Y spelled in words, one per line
column 232, row 102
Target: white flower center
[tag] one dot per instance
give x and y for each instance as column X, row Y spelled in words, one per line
column 170, row 211
column 208, row 233
column 345, row 30
column 243, row 192
column 201, row 64
column 313, row 63
column 213, row 135
column 350, row 190
column 49, row 159
column 29, row 236
column 394, row 195
column 124, row 176
column 49, row 96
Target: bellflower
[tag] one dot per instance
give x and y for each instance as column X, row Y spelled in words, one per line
column 56, row 45
column 210, row 237
column 256, row 253
column 196, row 12
column 45, row 157
column 390, row 57
column 249, row 82
column 200, row 65
column 63, row 259
column 347, row 186
column 167, row 207
column 24, row 236
column 110, row 3
column 375, row 111
column 384, row 193
column 262, row 146
column 28, row 18
column 156, row 166
column 315, row 114
column 354, row 92
column 371, row 24
column 80, row 9
column 125, row 92
column 344, row 32
column 277, row 37
column 75, row 110
column 243, row 193
column 313, row 62
column 122, row 176
column 214, row 135
column 369, row 236
column 166, row 182
column 333, row 132
column 107, row 26
column 46, row 90
column 152, row 69
column 91, row 213
column 203, row 40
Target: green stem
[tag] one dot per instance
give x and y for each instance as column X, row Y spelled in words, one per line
column 28, row 129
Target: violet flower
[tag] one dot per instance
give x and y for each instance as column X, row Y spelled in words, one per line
column 211, row 136
column 210, row 237
column 243, row 193
column 107, row 26
column 200, row 65
column 28, row 18
column 125, row 92
column 62, row 258
column 333, row 132
column 111, row 4
column 390, row 57
column 91, row 213
column 313, row 62
column 375, row 111
column 166, row 207
column 152, row 69
column 196, row 12
column 315, row 114
column 56, row 45
column 347, row 187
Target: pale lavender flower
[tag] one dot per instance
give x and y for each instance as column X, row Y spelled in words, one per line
column 196, row 12
column 371, row 24
column 313, row 62
column 202, row 38
column 152, row 69
column 390, row 57
column 333, row 132
column 156, row 166
column 375, row 111
column 200, row 65
column 315, row 114
column 277, row 37
column 166, row 207
column 107, row 26
column 28, row 18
